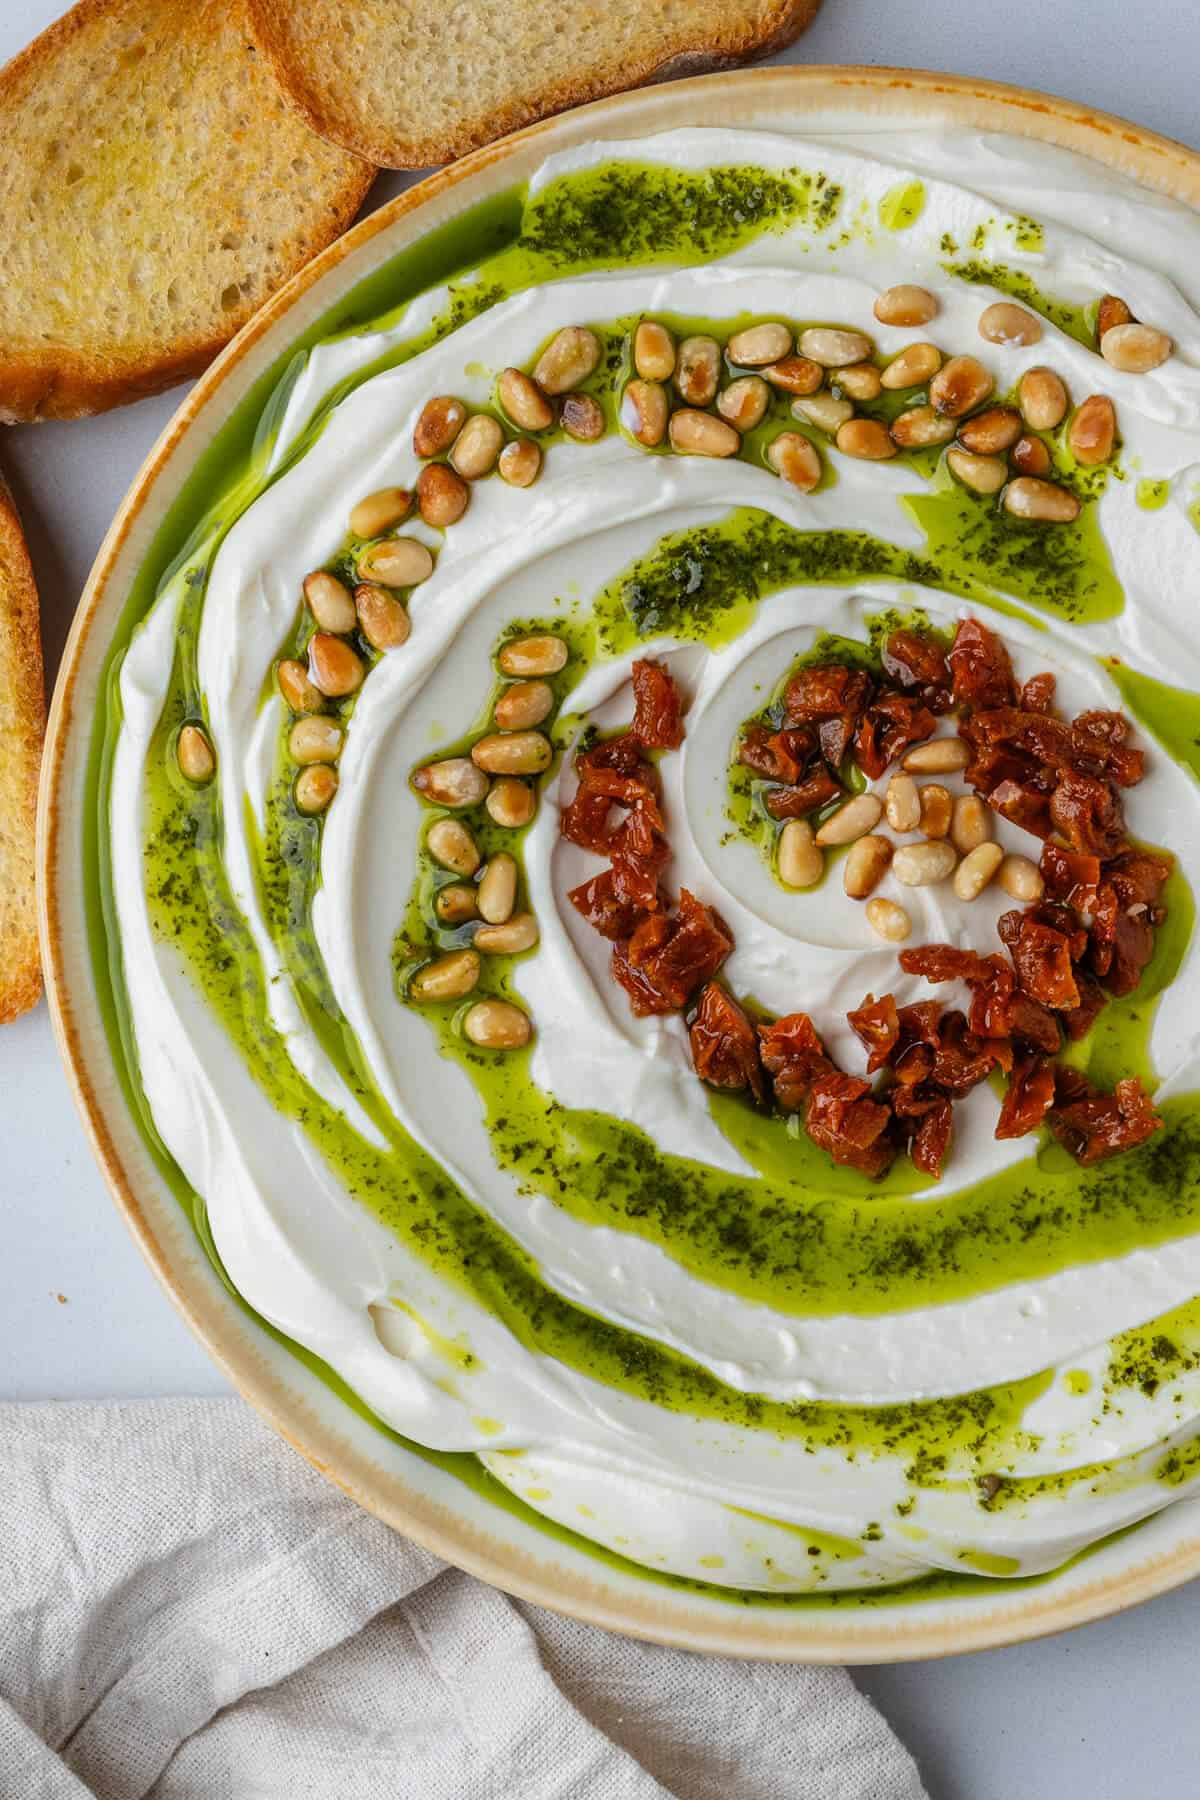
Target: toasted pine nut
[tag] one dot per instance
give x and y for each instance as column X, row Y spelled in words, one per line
column 510, row 939
column 524, row 401
column 315, row 787
column 477, row 446
column 380, row 511
column 1021, row 879
column 833, row 348
column 959, row 386
column 920, row 427
column 976, row 870
column 520, row 463
column 1111, row 311
column 1005, row 323
column 194, row 754
column 923, row 865
column 498, row 889
column 758, row 345
column 446, row 978
column 1135, row 348
column 867, row 439
column 1043, row 399
column 906, row 305
column 866, row 866
column 400, row 562
column 454, row 782
column 568, row 359
column 1043, row 501
column 795, row 458
column 455, row 904
column 1092, row 433
column 382, row 620
column 744, row 402
column 653, row 351
column 511, row 803
column 992, row 431
column 1029, row 456
column 524, row 704
column 937, row 809
column 794, row 374
column 699, row 434
column 442, row 495
column 544, row 655
column 644, row 409
column 824, row 410
column 888, row 920
column 902, row 803
column 862, row 381
column 451, row 844
column 329, row 602
column 333, row 666
column 297, row 690
column 513, row 753
column 799, row 861
column 971, row 824
column 915, row 365
column 582, row 418
column 315, row 739
column 982, row 474
column 441, row 420
column 698, row 370
column 851, row 821
column 497, row 1025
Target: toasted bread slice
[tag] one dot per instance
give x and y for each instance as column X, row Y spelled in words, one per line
column 154, row 188
column 407, row 83
column 22, row 718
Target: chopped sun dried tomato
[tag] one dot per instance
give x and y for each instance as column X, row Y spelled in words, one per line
column 673, row 956
column 605, row 910
column 724, row 1043
column 778, row 755
column 930, row 1142
column 1032, row 1023
column 1133, row 946
column 1023, row 806
column 980, row 665
column 639, row 854
column 1138, row 877
column 644, row 997
column 1070, row 876
column 585, row 820
column 877, row 1024
column 1029, row 1097
column 1078, row 1020
column 1100, row 746
column 1087, row 814
column 640, row 789
column 851, row 1128
column 1095, row 1125
column 794, row 1057
column 915, row 659
column 826, row 691
column 815, row 790
column 622, row 753
column 961, row 1059
column 945, row 962
column 657, row 707
column 887, row 728
column 1042, row 959
column 1037, row 695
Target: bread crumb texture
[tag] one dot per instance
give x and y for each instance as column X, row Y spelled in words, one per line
column 22, row 718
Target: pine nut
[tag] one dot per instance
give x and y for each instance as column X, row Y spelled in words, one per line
column 497, row 1025
column 297, row 690
column 333, row 666
column 568, row 359
column 454, row 782
column 513, row 753
column 1092, row 433
column 833, row 348
column 1111, row 311
column 520, row 463
column 582, row 418
column 524, row 401
column 905, row 305
column 382, row 620
column 400, row 562
column 866, row 866
column 800, row 862
column 888, row 920
column 1021, row 879
column 1004, row 323
column 902, row 803
column 923, row 865
column 991, row 432
column 455, row 904
column 915, row 365
column 862, row 381
column 544, row 655
column 446, row 978
column 824, row 410
column 440, row 422
column 795, row 459
column 1043, row 501
column 644, row 409
column 1043, row 399
column 1135, row 348
column 524, row 704
column 959, row 387
column 744, row 402
column 795, row 374
column 971, row 824
column 920, row 427
column 498, row 889
column 315, row 739
column 653, row 351
column 477, row 446
column 976, row 870
column 451, row 844
column 194, row 754
column 510, row 939
column 937, row 809
column 1029, row 456
column 698, row 370
column 315, row 787
column 865, row 438
column 511, row 803
column 699, row 434
column 851, row 821
column 442, row 495
column 380, row 511
column 759, row 345
column 329, row 602
column 982, row 474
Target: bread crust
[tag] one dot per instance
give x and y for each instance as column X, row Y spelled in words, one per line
column 22, row 723
column 269, row 20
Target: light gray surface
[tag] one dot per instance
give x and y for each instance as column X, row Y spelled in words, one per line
column 1106, row 1712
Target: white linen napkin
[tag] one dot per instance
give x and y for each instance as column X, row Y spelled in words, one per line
column 189, row 1612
